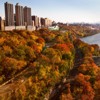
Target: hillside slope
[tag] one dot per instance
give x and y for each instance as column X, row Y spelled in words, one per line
column 47, row 65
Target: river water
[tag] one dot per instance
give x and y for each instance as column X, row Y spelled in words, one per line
column 94, row 39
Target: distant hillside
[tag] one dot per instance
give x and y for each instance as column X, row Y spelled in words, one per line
column 81, row 30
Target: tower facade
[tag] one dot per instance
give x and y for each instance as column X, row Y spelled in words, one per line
column 27, row 16
column 42, row 22
column 9, row 14
column 1, row 24
column 19, row 15
column 36, row 20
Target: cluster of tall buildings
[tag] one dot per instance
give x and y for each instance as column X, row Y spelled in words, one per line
column 22, row 18
column 41, row 22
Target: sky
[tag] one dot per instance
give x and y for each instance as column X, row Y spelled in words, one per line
column 66, row 11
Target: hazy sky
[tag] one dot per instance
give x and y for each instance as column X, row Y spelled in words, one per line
column 61, row 10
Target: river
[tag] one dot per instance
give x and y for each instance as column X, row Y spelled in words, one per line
column 94, row 39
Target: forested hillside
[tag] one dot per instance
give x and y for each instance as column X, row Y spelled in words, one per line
column 47, row 65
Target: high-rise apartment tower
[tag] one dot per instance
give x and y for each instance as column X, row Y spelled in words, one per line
column 19, row 15
column 9, row 14
column 27, row 16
